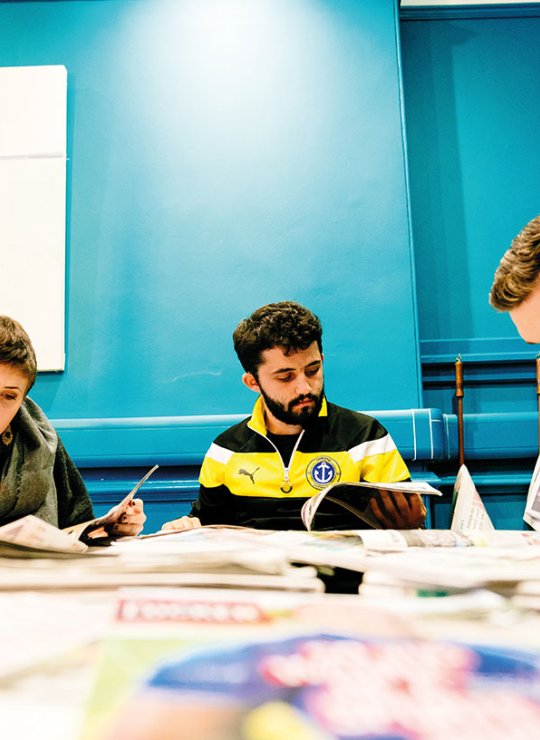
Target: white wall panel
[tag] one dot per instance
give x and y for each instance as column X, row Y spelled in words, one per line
column 33, row 205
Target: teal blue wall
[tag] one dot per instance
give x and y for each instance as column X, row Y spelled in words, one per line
column 223, row 154
column 473, row 116
column 471, row 81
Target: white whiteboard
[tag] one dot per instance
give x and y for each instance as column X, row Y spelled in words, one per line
column 33, row 114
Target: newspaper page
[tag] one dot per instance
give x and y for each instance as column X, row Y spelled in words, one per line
column 461, row 568
column 532, row 507
column 351, row 548
column 31, row 535
column 469, row 510
column 355, row 497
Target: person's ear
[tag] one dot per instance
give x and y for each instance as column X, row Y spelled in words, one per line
column 250, row 381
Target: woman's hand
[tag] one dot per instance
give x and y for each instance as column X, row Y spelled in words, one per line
column 132, row 520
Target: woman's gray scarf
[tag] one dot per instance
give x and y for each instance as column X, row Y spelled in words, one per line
column 27, row 482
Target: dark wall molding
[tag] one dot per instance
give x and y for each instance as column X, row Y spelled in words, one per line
column 496, row 361
column 458, row 12
column 498, row 349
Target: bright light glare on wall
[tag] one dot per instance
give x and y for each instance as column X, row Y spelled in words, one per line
column 231, row 47
column 225, row 44
column 233, row 81
column 225, row 53
column 239, row 69
column 226, row 28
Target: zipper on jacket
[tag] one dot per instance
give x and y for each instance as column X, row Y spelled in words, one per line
column 286, row 486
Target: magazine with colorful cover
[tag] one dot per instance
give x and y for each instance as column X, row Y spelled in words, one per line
column 355, row 497
column 205, row 665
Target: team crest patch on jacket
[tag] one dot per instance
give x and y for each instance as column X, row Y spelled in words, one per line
column 322, row 471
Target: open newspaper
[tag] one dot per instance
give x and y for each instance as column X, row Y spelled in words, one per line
column 30, row 535
column 532, row 508
column 355, row 498
column 469, row 512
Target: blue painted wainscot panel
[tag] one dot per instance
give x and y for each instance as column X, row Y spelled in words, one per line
column 113, row 454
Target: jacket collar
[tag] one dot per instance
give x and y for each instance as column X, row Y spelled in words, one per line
column 258, row 424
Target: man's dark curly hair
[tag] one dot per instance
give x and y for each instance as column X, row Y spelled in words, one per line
column 287, row 324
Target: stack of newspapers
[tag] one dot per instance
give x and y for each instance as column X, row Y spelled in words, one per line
column 36, row 555
column 471, row 556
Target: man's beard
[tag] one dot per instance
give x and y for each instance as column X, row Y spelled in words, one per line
column 287, row 415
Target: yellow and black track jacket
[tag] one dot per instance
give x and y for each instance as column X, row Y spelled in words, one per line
column 244, row 480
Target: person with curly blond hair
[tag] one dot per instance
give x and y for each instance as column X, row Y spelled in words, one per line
column 516, row 286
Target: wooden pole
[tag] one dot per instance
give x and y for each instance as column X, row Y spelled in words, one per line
column 459, row 397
